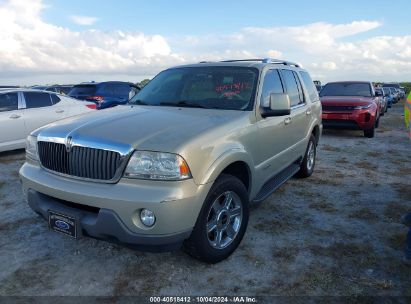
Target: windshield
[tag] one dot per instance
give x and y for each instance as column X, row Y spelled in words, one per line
column 227, row 88
column 346, row 89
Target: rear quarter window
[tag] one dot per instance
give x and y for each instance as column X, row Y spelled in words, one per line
column 55, row 99
column 309, row 84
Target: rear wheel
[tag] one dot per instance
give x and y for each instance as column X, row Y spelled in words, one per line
column 222, row 222
column 308, row 163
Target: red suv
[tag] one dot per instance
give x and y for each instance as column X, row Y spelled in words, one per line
column 351, row 105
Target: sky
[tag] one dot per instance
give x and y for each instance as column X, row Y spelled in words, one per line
column 70, row 41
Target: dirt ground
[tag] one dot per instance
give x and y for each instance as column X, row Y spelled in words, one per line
column 335, row 233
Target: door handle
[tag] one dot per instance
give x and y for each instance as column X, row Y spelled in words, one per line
column 15, row 116
column 59, row 111
column 287, row 121
column 308, row 112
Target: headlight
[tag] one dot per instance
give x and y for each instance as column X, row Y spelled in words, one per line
column 31, row 147
column 363, row 107
column 157, row 166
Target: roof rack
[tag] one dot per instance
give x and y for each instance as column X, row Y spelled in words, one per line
column 266, row 60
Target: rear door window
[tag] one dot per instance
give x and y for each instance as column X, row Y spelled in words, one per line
column 8, row 102
column 293, row 86
column 37, row 100
column 309, row 84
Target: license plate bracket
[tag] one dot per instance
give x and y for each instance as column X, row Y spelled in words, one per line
column 63, row 223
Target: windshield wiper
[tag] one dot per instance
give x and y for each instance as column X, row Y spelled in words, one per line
column 183, row 103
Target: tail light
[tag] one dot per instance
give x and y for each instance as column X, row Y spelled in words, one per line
column 91, row 106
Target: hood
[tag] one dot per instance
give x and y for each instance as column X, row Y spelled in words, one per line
column 139, row 127
column 345, row 100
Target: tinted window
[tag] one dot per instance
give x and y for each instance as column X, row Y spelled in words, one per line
column 63, row 90
column 229, row 88
column 55, row 99
column 83, row 90
column 293, row 87
column 347, row 89
column 386, row 91
column 120, row 90
column 272, row 84
column 309, row 84
column 300, row 87
column 8, row 102
column 37, row 100
column 393, row 85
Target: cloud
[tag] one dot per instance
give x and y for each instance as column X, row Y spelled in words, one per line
column 83, row 20
column 34, row 51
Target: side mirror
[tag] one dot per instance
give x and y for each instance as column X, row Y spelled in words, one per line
column 378, row 94
column 280, row 105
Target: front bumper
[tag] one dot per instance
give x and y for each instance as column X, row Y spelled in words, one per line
column 117, row 206
column 104, row 224
column 357, row 120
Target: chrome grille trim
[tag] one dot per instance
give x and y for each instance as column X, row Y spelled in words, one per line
column 83, row 162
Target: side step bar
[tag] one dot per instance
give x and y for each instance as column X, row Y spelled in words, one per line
column 276, row 181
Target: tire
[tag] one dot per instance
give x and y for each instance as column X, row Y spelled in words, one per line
column 203, row 243
column 369, row 133
column 308, row 163
column 377, row 123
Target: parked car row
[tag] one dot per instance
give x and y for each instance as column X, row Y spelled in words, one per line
column 104, row 94
column 357, row 105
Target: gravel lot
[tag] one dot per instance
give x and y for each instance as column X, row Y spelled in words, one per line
column 336, row 233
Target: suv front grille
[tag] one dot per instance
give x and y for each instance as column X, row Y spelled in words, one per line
column 338, row 108
column 80, row 162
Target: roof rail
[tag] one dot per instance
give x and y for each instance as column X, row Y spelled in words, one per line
column 266, row 60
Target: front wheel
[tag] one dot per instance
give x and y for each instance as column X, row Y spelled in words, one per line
column 377, row 123
column 222, row 222
column 308, row 163
column 369, row 133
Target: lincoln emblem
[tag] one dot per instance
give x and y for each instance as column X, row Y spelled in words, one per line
column 69, row 144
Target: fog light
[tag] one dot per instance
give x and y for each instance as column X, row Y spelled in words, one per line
column 147, row 217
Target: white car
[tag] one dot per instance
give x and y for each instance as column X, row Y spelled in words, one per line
column 23, row 111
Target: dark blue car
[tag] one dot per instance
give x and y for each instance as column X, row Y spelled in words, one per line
column 105, row 94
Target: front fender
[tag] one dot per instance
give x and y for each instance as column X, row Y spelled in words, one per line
column 225, row 159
